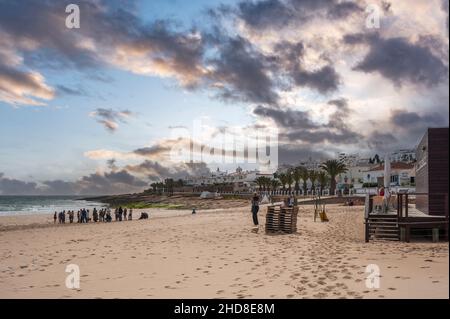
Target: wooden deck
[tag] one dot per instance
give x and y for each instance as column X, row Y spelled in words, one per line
column 397, row 224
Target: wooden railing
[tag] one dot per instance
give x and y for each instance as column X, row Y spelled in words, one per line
column 403, row 200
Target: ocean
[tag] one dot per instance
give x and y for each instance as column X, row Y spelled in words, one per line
column 25, row 205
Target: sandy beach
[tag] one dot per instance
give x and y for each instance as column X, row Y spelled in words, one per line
column 214, row 254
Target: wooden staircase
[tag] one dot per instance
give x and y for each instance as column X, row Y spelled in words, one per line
column 382, row 227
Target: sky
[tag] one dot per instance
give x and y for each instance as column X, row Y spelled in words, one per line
column 99, row 109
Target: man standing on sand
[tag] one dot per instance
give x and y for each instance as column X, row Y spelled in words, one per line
column 255, row 209
column 119, row 214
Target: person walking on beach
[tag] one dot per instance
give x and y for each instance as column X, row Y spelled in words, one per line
column 108, row 216
column 102, row 215
column 120, row 212
column 95, row 215
column 71, row 213
column 83, row 216
column 130, row 214
column 125, row 214
column 255, row 209
column 55, row 217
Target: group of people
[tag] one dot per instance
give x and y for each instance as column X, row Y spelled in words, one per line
column 102, row 215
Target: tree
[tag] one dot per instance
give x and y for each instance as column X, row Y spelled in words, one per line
column 289, row 179
column 296, row 175
column 260, row 181
column 333, row 168
column 168, row 184
column 322, row 178
column 376, row 159
column 274, row 183
column 283, row 179
column 154, row 186
column 313, row 175
column 304, row 174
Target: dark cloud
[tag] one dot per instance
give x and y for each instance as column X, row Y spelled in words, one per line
column 297, row 126
column 59, row 187
column 342, row 10
column 109, row 35
column 65, row 90
column 154, row 150
column 110, row 118
column 415, row 124
column 114, row 182
column 286, row 118
column 399, row 60
column 276, row 14
column 381, row 141
column 240, row 72
column 264, row 14
column 111, row 164
column 444, row 7
column 16, row 187
column 293, row 153
column 154, row 171
column 290, row 58
column 323, row 80
column 22, row 87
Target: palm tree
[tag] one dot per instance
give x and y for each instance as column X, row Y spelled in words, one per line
column 274, row 183
column 333, row 168
column 289, row 179
column 322, row 178
column 313, row 177
column 169, row 183
column 304, row 175
column 296, row 175
column 154, row 186
column 260, row 181
column 283, row 179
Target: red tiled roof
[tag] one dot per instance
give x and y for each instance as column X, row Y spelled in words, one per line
column 394, row 165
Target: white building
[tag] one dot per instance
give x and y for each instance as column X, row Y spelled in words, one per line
column 402, row 174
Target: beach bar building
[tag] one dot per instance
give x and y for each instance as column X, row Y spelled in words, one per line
column 422, row 212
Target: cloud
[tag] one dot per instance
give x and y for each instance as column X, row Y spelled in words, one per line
column 381, row 141
column 110, row 118
column 290, row 57
column 297, row 126
column 155, row 171
column 113, row 182
column 276, row 14
column 16, row 187
column 65, row 90
column 240, row 72
column 23, row 87
column 110, row 35
column 414, row 123
column 399, row 60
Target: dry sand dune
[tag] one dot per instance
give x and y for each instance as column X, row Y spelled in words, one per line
column 214, row 254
